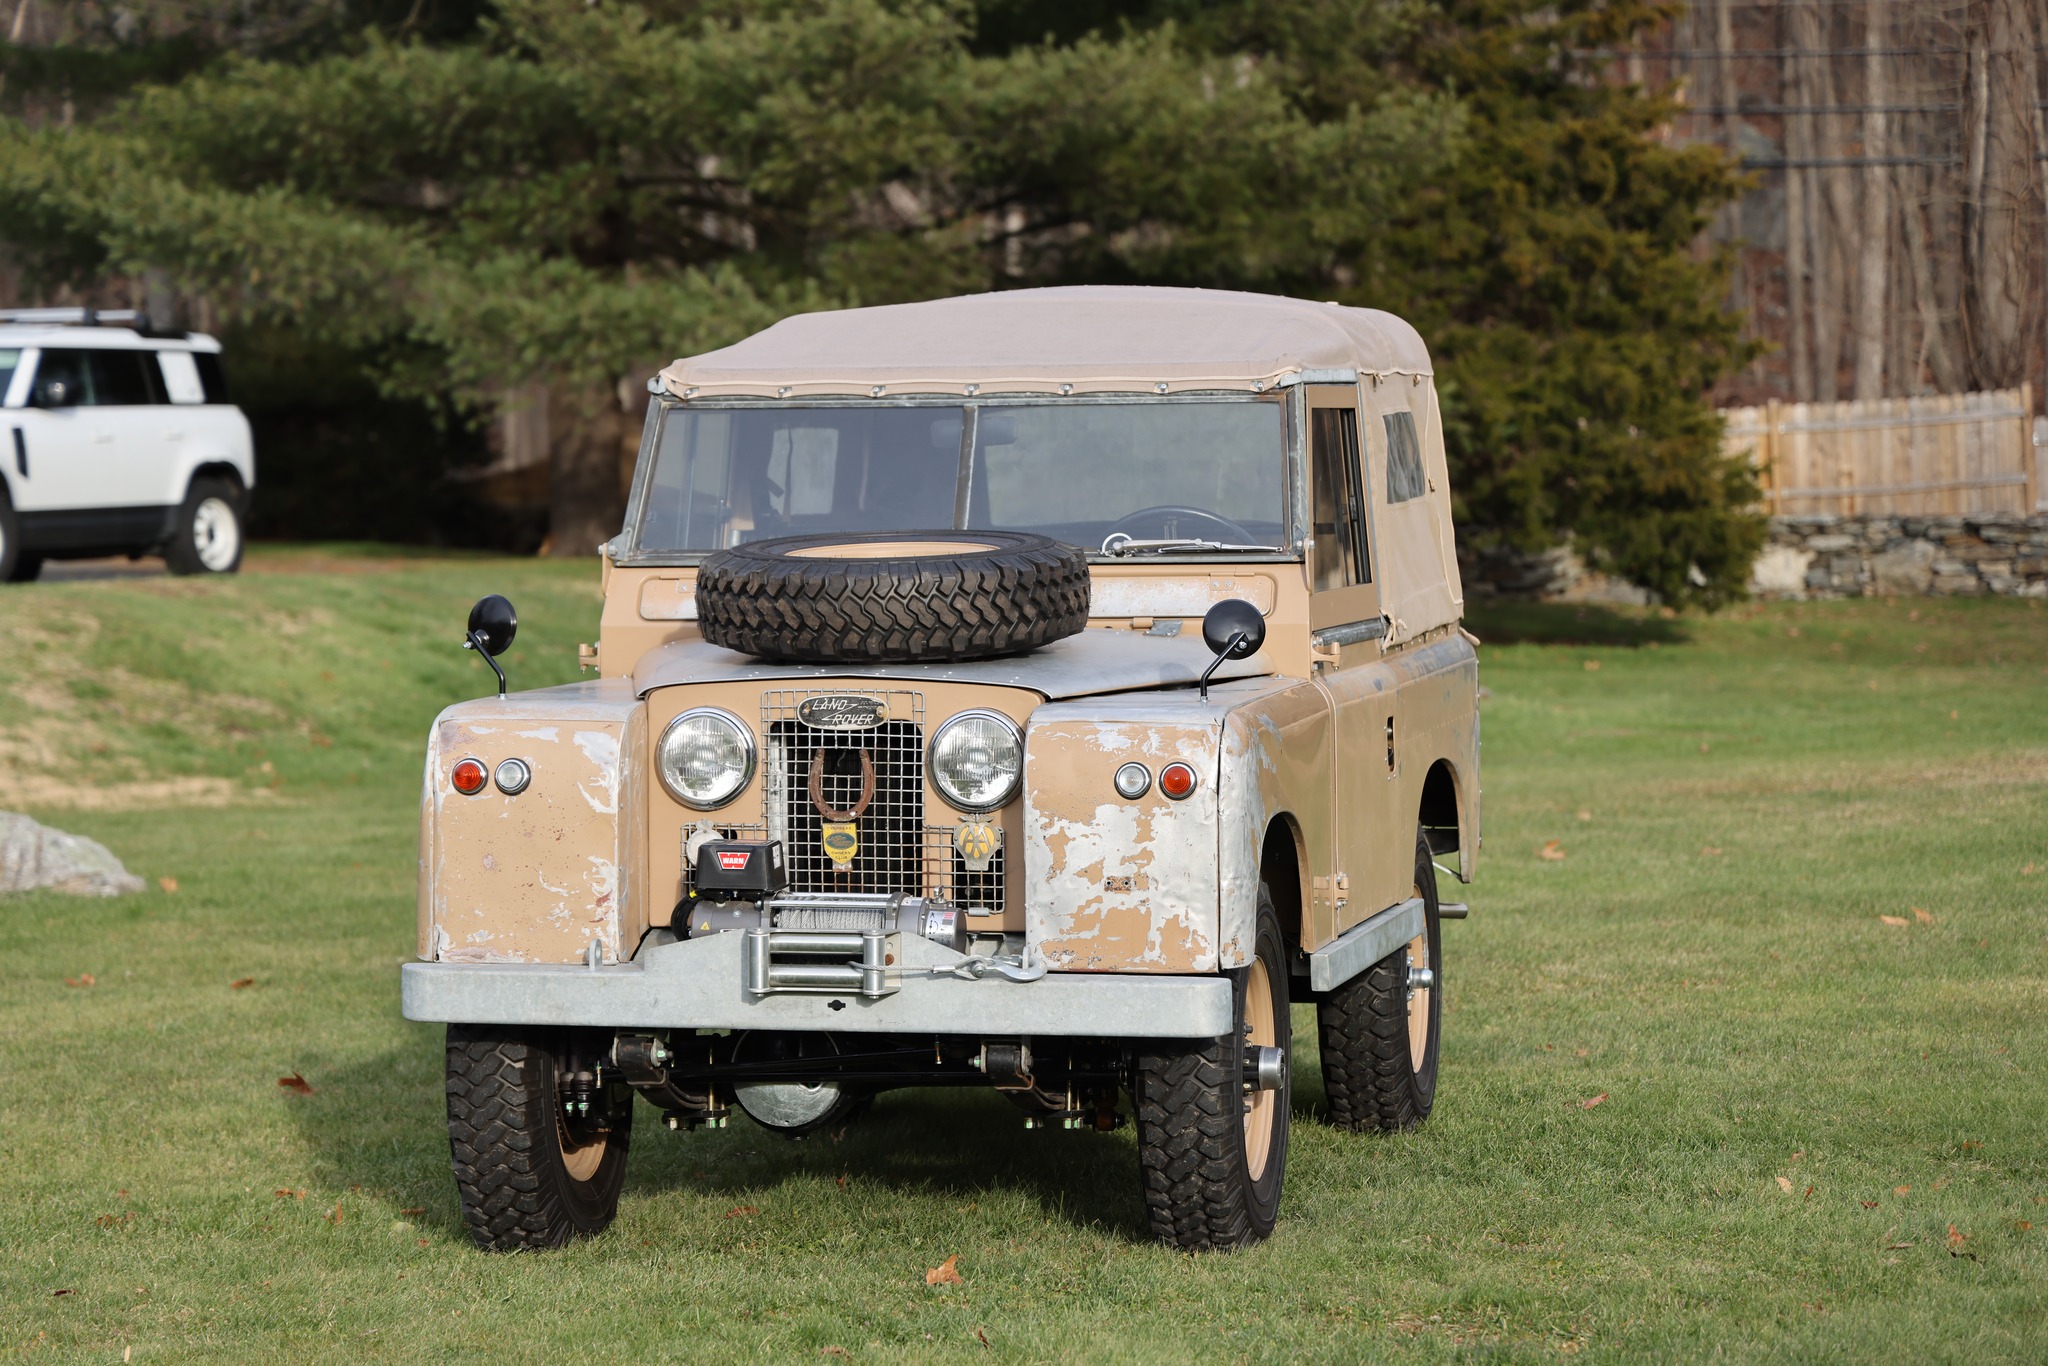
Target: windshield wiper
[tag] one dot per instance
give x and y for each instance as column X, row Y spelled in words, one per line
column 1121, row 545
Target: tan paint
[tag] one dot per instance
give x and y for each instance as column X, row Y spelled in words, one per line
column 1117, row 884
column 534, row 878
column 668, row 600
column 890, row 550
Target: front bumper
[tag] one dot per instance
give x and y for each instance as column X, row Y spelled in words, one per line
column 699, row 984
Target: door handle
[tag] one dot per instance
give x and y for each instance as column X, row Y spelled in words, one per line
column 21, row 452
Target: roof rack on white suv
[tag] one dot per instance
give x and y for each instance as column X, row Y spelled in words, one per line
column 76, row 317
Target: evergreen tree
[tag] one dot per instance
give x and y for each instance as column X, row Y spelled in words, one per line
column 573, row 193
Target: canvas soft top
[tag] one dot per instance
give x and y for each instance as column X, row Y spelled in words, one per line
column 1081, row 339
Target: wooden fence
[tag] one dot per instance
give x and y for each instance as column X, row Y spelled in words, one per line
column 1949, row 453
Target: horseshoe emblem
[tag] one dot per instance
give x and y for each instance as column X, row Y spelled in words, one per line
column 837, row 831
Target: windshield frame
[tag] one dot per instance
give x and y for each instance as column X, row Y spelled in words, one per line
column 1288, row 395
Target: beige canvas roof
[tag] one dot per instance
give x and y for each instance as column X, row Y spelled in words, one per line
column 1083, row 339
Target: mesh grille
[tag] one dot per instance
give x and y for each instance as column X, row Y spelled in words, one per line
column 898, row 852
column 891, row 827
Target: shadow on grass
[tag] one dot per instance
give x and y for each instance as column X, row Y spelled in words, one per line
column 377, row 1128
column 1568, row 623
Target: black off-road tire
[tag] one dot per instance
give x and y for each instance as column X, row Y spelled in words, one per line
column 947, row 595
column 505, row 1134
column 190, row 549
column 1190, row 1102
column 1370, row 1076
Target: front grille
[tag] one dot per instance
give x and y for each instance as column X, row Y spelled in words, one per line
column 890, row 829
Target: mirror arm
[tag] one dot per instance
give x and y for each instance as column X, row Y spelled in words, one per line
column 1227, row 652
column 476, row 642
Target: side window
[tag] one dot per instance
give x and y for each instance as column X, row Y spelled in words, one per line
column 1404, row 459
column 1340, row 556
column 63, row 380
column 181, row 377
column 212, row 379
column 121, row 378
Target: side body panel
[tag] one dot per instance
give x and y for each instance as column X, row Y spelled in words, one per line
column 1438, row 681
column 1276, row 767
column 534, row 878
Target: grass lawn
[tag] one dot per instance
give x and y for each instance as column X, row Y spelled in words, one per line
column 1757, row 1069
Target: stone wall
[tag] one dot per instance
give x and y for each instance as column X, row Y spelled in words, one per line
column 1836, row 557
column 1818, row 557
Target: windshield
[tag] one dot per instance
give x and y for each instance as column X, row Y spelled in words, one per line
column 1078, row 472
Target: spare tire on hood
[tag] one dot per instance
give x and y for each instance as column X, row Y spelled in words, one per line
column 892, row 595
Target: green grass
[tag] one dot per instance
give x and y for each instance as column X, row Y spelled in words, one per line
column 1750, row 1020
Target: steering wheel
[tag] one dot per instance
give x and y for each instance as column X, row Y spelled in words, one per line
column 1166, row 512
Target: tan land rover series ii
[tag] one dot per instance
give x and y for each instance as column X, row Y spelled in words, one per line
column 1042, row 691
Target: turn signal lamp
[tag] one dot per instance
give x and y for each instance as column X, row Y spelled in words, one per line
column 469, row 776
column 1177, row 781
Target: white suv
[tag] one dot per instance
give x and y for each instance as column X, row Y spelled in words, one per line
column 115, row 441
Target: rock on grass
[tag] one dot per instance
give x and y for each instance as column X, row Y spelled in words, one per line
column 35, row 858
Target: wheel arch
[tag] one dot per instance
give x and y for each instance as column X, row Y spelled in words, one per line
column 1445, row 812
column 216, row 469
column 1283, row 867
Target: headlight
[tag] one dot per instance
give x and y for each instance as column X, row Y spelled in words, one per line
column 705, row 758
column 977, row 758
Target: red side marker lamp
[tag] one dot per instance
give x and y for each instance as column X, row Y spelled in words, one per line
column 1177, row 781
column 469, row 776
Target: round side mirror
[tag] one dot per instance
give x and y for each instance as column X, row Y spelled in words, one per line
column 1231, row 618
column 494, row 622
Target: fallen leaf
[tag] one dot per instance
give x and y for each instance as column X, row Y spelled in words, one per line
column 413, row 1209
column 115, row 1220
column 945, row 1273
column 335, row 1215
column 842, row 1180
column 1551, row 852
column 1939, row 1185
column 1785, row 1184
column 1955, row 716
column 740, row 1211
column 1971, row 1145
column 1893, row 919
column 2021, row 1225
column 1922, row 916
column 2029, row 870
column 1799, row 1155
column 1809, row 1193
column 1897, row 1247
column 287, row 1193
column 834, row 1351
column 1703, row 746
column 1792, row 631
column 1955, row 1244
column 1592, row 666
column 1902, row 1190
column 169, row 884
column 296, row 1082
column 1868, row 1204
column 982, row 1336
column 83, row 979
column 55, row 1293
column 1585, row 815
column 1589, row 1104
column 241, row 982
column 1710, row 852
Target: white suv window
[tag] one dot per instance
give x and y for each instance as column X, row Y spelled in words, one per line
column 181, row 377
column 10, row 360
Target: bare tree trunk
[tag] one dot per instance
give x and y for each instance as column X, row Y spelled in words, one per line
column 1835, row 222
column 1874, row 260
column 2002, row 178
column 586, row 500
column 1798, row 148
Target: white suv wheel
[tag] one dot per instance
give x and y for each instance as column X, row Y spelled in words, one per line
column 216, row 534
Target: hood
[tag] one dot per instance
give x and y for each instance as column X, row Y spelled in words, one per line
column 1101, row 660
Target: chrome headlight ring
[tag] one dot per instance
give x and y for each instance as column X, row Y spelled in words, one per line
column 706, row 758
column 976, row 760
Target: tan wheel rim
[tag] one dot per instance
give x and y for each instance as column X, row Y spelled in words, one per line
column 581, row 1160
column 1261, row 1108
column 1418, row 1000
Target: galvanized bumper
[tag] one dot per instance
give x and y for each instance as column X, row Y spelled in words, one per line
column 701, row 984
